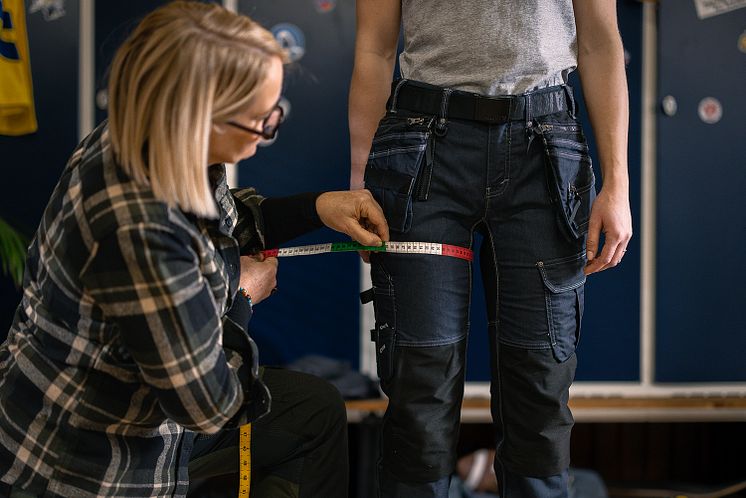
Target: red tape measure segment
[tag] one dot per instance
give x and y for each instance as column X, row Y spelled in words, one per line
column 394, row 247
column 458, row 252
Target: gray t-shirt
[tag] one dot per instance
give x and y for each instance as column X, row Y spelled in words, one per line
column 492, row 47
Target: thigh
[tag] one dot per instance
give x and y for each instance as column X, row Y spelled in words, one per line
column 303, row 407
column 425, row 298
column 538, row 259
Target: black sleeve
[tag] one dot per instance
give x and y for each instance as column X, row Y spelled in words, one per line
column 288, row 217
column 240, row 312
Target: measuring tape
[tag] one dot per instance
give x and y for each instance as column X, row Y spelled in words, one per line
column 393, row 247
column 244, row 461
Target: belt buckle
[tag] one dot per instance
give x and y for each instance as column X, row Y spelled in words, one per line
column 492, row 110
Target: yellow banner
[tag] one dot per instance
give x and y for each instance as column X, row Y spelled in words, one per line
column 17, row 114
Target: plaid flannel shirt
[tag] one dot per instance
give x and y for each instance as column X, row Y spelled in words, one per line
column 114, row 358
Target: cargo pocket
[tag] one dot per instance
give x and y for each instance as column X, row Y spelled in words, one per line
column 564, row 293
column 395, row 167
column 384, row 335
column 570, row 178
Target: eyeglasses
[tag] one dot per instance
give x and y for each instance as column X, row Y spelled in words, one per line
column 270, row 125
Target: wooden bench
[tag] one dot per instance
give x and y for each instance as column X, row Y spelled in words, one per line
column 600, row 409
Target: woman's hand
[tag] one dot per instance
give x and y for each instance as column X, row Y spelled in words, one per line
column 258, row 276
column 355, row 213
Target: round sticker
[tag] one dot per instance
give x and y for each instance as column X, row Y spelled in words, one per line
column 710, row 110
column 669, row 105
column 324, row 6
column 291, row 38
column 102, row 99
column 742, row 42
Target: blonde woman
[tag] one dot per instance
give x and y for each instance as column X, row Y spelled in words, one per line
column 128, row 366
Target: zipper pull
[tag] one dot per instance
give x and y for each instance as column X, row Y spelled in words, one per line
column 415, row 121
column 422, row 184
column 530, row 133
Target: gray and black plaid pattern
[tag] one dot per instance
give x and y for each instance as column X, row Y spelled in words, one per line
column 114, row 357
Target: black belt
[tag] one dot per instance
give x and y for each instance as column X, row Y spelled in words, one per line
column 455, row 104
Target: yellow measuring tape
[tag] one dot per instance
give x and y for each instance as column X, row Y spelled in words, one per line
column 244, row 461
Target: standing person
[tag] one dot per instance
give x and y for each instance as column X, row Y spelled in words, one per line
column 480, row 133
column 128, row 366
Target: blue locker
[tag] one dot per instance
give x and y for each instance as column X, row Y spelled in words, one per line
column 701, row 327
column 32, row 164
column 609, row 347
column 114, row 22
column 316, row 308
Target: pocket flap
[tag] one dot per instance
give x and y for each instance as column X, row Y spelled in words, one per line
column 564, row 274
column 389, row 180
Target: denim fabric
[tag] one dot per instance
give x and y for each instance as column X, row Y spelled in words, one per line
column 527, row 185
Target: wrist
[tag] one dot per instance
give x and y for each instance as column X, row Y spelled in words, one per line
column 246, row 296
column 617, row 184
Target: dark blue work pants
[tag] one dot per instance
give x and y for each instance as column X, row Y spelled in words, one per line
column 527, row 185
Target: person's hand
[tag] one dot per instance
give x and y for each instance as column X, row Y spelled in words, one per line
column 355, row 213
column 258, row 276
column 611, row 215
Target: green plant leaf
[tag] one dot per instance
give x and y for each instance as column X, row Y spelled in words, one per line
column 13, row 247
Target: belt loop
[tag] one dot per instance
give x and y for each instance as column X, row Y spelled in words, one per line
column 570, row 98
column 395, row 95
column 442, row 122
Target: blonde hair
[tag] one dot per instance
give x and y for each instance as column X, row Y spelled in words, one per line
column 184, row 66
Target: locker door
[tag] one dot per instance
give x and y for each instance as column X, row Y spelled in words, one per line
column 32, row 164
column 316, row 308
column 701, row 231
column 114, row 22
column 610, row 338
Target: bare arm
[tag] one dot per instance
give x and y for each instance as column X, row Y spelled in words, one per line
column 378, row 23
column 601, row 69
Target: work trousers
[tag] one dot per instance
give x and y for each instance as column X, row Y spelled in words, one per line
column 522, row 177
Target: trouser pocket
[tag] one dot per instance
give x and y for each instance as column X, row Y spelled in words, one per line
column 385, row 338
column 399, row 166
column 564, row 293
column 384, row 334
column 570, row 178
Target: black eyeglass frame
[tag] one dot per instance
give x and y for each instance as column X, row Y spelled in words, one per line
column 264, row 133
